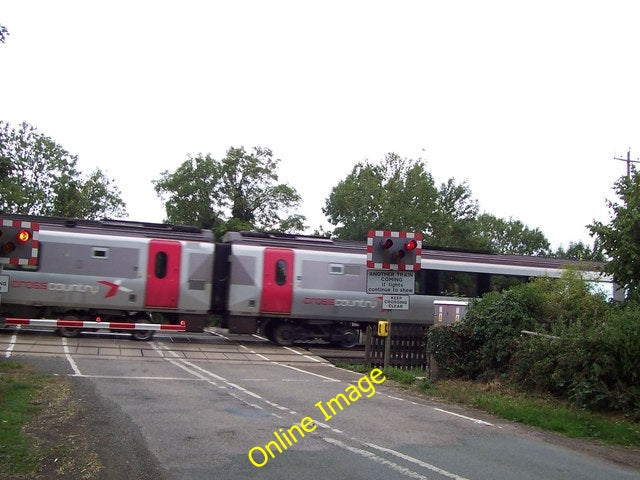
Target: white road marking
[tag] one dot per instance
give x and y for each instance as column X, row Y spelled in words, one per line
column 300, row 353
column 474, row 420
column 328, row 379
column 121, row 377
column 417, row 462
column 202, row 373
column 12, row 343
column 372, row 456
column 220, row 335
column 324, row 425
column 194, row 369
column 397, row 398
column 75, row 368
column 263, row 357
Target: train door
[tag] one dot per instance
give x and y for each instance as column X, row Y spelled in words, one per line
column 163, row 274
column 277, row 281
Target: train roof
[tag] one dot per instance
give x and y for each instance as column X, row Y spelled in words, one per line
column 439, row 254
column 117, row 227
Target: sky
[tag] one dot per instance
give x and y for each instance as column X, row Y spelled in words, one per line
column 527, row 101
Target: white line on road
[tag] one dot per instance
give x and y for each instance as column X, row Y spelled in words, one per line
column 417, row 462
column 324, row 425
column 199, row 371
column 372, row 456
column 328, row 379
column 12, row 343
column 194, row 369
column 75, row 368
column 122, row 377
column 474, row 420
column 300, row 353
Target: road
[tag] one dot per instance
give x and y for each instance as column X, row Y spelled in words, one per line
column 203, row 402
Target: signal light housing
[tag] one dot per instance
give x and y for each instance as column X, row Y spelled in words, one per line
column 19, row 243
column 388, row 250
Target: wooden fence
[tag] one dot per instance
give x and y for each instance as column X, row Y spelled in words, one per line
column 408, row 349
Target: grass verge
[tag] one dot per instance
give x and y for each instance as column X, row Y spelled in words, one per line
column 40, row 426
column 540, row 411
column 18, row 389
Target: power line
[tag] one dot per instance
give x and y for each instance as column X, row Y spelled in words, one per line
column 629, row 162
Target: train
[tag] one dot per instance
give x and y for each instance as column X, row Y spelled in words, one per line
column 285, row 287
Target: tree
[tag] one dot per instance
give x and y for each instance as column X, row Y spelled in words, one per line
column 397, row 194
column 239, row 192
column 620, row 238
column 190, row 194
column 40, row 177
column 580, row 251
column 400, row 194
column 509, row 236
column 3, row 33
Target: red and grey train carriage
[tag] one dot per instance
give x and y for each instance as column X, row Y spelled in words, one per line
column 287, row 287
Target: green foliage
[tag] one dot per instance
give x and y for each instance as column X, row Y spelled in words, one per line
column 588, row 351
column 453, row 347
column 239, row 192
column 401, row 194
column 17, row 453
column 398, row 194
column 576, row 424
column 39, row 177
column 581, row 251
column 191, row 193
column 509, row 236
column 596, row 366
column 619, row 238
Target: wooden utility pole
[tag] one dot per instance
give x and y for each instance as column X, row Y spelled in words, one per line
column 629, row 162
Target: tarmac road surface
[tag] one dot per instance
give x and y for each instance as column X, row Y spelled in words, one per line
column 204, row 403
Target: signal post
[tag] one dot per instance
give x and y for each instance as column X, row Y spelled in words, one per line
column 392, row 260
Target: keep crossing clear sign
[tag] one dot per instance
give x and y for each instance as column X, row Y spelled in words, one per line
column 395, row 302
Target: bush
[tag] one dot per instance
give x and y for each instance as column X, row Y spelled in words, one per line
column 482, row 344
column 591, row 355
column 453, row 348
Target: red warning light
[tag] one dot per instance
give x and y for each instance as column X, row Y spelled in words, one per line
column 411, row 244
column 24, row 236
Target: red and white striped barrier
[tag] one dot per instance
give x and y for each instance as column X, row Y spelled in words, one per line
column 46, row 322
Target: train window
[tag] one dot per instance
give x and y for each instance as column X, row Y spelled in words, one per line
column 281, row 272
column 336, row 269
column 428, row 282
column 458, row 284
column 99, row 252
column 502, row 282
column 444, row 282
column 162, row 261
column 352, row 270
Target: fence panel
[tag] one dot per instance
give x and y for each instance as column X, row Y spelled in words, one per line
column 408, row 349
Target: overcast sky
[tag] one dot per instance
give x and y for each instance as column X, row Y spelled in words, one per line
column 527, row 101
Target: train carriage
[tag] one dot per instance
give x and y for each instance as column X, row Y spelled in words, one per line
column 113, row 270
column 288, row 287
